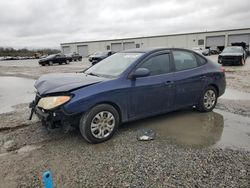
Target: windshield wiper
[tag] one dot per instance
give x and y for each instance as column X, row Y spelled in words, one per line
column 92, row 74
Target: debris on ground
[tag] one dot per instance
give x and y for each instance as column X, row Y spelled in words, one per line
column 146, row 134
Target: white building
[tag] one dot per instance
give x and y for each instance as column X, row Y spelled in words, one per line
column 207, row 39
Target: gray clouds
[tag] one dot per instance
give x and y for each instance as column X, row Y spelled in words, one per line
column 47, row 23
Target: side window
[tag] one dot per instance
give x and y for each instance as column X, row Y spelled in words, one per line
column 201, row 60
column 184, row 60
column 159, row 64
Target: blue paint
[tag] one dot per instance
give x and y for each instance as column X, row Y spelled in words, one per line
column 47, row 179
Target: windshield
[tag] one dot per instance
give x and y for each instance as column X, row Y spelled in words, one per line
column 114, row 65
column 232, row 50
column 101, row 53
column 50, row 56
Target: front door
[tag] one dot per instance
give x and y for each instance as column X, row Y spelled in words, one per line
column 152, row 94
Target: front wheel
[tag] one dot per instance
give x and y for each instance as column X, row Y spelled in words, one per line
column 242, row 61
column 207, row 100
column 99, row 123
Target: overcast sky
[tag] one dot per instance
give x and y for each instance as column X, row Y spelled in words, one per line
column 47, row 23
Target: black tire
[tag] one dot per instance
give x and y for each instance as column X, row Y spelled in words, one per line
column 90, row 116
column 42, row 64
column 242, row 62
column 202, row 106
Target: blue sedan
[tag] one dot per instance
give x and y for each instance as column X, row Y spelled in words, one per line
column 127, row 86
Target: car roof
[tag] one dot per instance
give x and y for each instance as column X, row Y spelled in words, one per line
column 234, row 47
column 152, row 50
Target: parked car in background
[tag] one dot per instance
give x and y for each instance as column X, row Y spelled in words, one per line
column 44, row 56
column 199, row 50
column 214, row 50
column 234, row 55
column 243, row 45
column 74, row 57
column 7, row 58
column 54, row 58
column 98, row 56
column 127, row 86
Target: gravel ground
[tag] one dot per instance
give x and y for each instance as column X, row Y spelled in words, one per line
column 27, row 149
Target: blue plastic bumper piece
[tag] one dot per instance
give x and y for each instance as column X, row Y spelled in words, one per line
column 47, row 179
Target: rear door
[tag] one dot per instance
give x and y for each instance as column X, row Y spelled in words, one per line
column 152, row 94
column 189, row 78
column 57, row 59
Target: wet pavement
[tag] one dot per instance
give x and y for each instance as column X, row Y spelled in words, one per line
column 234, row 94
column 14, row 91
column 193, row 129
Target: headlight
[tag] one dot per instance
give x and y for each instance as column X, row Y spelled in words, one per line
column 220, row 59
column 52, row 102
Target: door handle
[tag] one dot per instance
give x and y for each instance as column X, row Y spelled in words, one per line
column 203, row 77
column 167, row 83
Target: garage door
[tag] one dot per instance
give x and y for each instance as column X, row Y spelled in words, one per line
column 239, row 38
column 215, row 41
column 128, row 45
column 116, row 47
column 83, row 50
column 66, row 49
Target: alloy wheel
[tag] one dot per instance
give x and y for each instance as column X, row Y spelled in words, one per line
column 102, row 125
column 209, row 99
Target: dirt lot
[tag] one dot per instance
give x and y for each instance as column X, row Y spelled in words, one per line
column 191, row 149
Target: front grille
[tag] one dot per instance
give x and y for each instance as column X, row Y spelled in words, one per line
column 230, row 59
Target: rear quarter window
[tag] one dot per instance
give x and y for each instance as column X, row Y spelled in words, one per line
column 201, row 60
column 184, row 60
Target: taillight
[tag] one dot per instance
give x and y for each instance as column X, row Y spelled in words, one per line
column 222, row 69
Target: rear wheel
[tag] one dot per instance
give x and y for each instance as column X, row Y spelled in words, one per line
column 207, row 100
column 99, row 123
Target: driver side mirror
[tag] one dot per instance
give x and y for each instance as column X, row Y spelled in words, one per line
column 140, row 72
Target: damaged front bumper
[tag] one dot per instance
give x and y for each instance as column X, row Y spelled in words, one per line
column 56, row 118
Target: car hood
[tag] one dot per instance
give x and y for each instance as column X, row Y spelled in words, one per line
column 97, row 56
column 64, row 82
column 45, row 58
column 230, row 54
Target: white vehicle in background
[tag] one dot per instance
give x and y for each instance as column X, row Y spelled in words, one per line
column 201, row 51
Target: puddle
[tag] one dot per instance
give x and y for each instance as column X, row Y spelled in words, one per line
column 236, row 132
column 15, row 90
column 193, row 129
column 233, row 94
